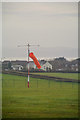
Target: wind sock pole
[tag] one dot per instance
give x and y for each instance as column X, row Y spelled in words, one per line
column 28, row 64
column 28, row 45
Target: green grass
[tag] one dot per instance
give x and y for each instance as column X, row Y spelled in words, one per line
column 62, row 75
column 0, row 96
column 44, row 98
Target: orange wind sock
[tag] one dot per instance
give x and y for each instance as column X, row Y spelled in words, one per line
column 31, row 55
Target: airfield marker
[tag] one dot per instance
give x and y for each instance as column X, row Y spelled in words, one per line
column 28, row 64
column 28, row 45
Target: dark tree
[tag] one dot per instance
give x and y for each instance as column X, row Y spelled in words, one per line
column 9, row 65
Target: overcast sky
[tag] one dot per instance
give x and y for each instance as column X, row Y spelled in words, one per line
column 52, row 25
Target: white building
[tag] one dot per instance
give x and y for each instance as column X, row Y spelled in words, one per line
column 46, row 66
column 17, row 67
column 31, row 65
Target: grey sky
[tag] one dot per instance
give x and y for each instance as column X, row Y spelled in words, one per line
column 52, row 25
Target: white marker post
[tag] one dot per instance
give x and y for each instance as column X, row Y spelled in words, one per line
column 28, row 64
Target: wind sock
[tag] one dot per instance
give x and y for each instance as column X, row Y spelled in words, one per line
column 31, row 55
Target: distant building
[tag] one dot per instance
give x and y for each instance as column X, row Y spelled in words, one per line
column 5, row 65
column 31, row 65
column 74, row 65
column 58, row 64
column 46, row 66
column 17, row 67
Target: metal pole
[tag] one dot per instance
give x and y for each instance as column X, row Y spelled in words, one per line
column 28, row 45
column 28, row 65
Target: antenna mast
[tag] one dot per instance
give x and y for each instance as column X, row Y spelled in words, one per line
column 28, row 45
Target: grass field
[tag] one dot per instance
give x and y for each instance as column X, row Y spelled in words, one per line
column 62, row 75
column 44, row 98
column 0, row 96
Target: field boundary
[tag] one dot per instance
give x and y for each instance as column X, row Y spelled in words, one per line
column 41, row 76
